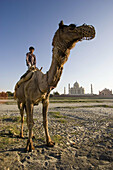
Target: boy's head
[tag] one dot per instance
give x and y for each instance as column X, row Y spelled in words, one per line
column 31, row 49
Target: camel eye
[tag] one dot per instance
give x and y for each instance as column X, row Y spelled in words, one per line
column 72, row 28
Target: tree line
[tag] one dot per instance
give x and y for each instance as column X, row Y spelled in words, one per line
column 7, row 94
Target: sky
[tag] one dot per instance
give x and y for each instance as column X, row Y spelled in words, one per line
column 25, row 23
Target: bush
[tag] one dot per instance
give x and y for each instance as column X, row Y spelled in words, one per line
column 10, row 94
column 56, row 93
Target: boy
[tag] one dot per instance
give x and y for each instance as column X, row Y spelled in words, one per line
column 31, row 58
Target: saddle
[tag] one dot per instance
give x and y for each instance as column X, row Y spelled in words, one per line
column 31, row 69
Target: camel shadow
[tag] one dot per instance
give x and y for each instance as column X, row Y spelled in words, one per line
column 12, row 136
column 23, row 150
column 41, row 146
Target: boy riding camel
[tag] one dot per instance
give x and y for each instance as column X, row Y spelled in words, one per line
column 31, row 63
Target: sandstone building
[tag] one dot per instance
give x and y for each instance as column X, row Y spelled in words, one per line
column 105, row 92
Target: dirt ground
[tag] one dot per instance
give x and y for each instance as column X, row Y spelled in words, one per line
column 82, row 131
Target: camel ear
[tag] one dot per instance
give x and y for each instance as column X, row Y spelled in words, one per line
column 61, row 24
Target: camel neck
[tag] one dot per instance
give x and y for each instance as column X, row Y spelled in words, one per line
column 56, row 67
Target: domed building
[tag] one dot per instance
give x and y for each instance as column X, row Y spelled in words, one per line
column 76, row 89
column 105, row 92
column 76, row 85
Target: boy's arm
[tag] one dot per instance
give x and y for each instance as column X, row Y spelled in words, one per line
column 27, row 60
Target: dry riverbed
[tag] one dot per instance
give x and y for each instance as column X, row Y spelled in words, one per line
column 82, row 131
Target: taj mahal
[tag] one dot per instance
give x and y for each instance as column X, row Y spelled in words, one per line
column 76, row 89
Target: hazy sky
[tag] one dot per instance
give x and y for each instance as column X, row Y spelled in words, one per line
column 33, row 22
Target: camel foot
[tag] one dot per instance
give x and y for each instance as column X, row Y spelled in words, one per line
column 21, row 135
column 33, row 137
column 51, row 144
column 30, row 146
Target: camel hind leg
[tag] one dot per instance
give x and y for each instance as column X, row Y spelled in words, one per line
column 21, row 107
column 30, row 123
column 33, row 136
column 45, row 103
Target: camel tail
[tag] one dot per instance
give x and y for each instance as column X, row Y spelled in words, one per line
column 15, row 96
column 16, row 86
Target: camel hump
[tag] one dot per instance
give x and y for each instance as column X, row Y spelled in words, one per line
column 25, row 77
column 31, row 70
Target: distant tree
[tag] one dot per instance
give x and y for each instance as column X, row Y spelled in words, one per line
column 56, row 93
column 51, row 95
column 3, row 95
column 9, row 93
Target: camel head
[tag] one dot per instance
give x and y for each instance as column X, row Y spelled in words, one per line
column 67, row 36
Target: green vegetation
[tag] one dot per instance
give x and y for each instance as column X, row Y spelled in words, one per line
column 10, row 130
column 62, row 121
column 56, row 93
column 104, row 105
column 59, row 99
column 11, row 103
column 9, row 135
column 10, row 119
column 5, row 141
column 85, row 106
column 56, row 115
column 75, row 133
column 41, row 139
column 57, row 138
column 10, row 94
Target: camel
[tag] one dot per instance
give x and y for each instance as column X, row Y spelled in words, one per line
column 37, row 87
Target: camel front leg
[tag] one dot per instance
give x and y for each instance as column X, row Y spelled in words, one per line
column 33, row 137
column 21, row 108
column 30, row 123
column 45, row 123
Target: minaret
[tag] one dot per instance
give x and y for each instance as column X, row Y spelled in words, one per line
column 64, row 90
column 68, row 88
column 91, row 89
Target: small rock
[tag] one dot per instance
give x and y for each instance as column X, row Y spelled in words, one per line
column 46, row 163
column 43, row 151
column 28, row 157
